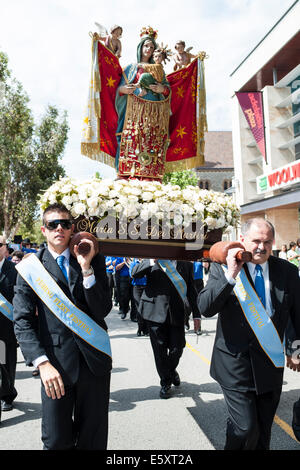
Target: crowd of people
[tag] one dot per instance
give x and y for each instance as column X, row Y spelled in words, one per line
column 57, row 318
column 291, row 254
column 126, row 289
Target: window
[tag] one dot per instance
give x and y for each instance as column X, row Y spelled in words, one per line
column 226, row 184
column 204, row 184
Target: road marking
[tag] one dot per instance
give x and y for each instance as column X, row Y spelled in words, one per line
column 204, row 359
column 282, row 424
column 286, row 427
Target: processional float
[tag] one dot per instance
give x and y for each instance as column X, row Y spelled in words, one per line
column 144, row 123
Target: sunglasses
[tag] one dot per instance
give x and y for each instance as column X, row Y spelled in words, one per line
column 64, row 223
column 2, row 244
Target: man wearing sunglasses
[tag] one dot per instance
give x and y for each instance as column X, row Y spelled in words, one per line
column 75, row 375
column 8, row 276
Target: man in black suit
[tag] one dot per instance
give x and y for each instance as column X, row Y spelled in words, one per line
column 250, row 380
column 163, row 308
column 75, row 375
column 8, row 275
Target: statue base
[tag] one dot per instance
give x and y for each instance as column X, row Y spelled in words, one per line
column 116, row 241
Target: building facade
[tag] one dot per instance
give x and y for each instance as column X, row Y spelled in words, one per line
column 217, row 172
column 265, row 90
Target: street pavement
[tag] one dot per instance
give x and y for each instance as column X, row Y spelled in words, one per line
column 194, row 418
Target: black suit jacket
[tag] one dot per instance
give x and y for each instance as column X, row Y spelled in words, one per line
column 238, row 361
column 8, row 276
column 48, row 335
column 160, row 297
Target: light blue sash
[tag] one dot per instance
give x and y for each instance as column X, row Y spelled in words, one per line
column 38, row 278
column 174, row 276
column 258, row 319
column 6, row 308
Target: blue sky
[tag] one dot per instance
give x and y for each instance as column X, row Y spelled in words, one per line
column 49, row 51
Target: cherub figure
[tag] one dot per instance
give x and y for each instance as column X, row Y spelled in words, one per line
column 182, row 57
column 112, row 40
column 153, row 73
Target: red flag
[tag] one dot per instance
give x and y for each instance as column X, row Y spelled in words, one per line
column 185, row 130
column 110, row 75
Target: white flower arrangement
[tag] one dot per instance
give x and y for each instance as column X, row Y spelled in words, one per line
column 132, row 198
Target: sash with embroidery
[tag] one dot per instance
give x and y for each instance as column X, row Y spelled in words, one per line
column 38, row 278
column 174, row 276
column 258, row 319
column 6, row 307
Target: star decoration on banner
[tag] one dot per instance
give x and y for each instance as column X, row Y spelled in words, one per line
column 110, row 82
column 181, row 132
column 180, row 92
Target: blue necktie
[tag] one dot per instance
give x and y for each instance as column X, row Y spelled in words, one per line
column 260, row 284
column 60, row 261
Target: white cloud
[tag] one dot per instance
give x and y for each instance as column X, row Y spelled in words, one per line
column 49, row 49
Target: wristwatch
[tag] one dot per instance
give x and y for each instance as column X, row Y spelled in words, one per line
column 88, row 272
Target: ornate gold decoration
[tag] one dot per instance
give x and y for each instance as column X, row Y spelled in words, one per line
column 144, row 158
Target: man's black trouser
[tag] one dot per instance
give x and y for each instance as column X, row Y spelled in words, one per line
column 168, row 342
column 250, row 419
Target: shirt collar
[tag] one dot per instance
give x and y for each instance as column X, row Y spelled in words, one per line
column 2, row 262
column 65, row 253
column 251, row 267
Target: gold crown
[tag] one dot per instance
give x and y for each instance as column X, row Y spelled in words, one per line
column 148, row 32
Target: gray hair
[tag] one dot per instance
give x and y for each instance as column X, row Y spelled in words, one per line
column 256, row 221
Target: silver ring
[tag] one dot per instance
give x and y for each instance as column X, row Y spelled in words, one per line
column 51, row 386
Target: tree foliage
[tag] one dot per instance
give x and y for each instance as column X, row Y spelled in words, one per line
column 29, row 153
column 181, row 178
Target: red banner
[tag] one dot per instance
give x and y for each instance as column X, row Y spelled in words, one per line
column 183, row 121
column 110, row 74
column 252, row 106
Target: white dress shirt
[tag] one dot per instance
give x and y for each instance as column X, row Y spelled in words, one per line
column 88, row 282
column 1, row 263
column 252, row 271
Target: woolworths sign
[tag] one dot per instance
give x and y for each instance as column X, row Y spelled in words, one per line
column 279, row 178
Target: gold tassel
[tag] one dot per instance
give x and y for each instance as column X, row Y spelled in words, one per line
column 89, row 132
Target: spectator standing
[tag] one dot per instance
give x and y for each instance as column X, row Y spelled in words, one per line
column 292, row 255
column 283, row 252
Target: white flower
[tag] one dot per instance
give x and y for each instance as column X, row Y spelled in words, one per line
column 145, row 199
column 67, row 200
column 147, row 196
column 93, row 211
column 220, row 222
column 92, row 202
column 52, row 199
column 79, row 208
column 67, row 188
column 113, row 193
column 210, row 222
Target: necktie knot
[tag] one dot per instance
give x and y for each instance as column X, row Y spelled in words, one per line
column 258, row 270
column 60, row 261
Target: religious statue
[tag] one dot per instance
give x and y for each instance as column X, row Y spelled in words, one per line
column 182, row 57
column 140, row 121
column 143, row 124
column 154, row 73
column 112, row 40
